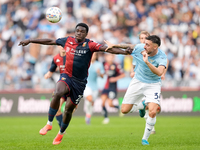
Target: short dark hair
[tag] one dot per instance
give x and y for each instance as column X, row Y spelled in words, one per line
column 83, row 25
column 154, row 39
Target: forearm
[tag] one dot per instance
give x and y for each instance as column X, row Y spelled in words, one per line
column 124, row 46
column 117, row 51
column 43, row 41
column 155, row 70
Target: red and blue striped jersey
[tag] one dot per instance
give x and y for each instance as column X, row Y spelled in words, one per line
column 112, row 70
column 78, row 56
column 58, row 61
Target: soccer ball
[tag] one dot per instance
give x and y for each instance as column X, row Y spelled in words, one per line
column 53, row 14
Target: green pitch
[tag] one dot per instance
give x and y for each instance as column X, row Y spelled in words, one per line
column 122, row 133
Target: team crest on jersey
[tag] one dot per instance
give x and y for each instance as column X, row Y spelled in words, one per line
column 63, row 78
column 67, row 49
column 84, row 44
column 57, row 60
column 151, row 60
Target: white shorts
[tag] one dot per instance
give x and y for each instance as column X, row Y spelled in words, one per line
column 138, row 91
column 88, row 91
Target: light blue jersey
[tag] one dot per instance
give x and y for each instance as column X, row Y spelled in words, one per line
column 143, row 73
column 92, row 77
column 134, row 62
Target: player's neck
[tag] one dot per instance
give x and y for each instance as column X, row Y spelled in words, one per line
column 62, row 54
column 153, row 53
column 78, row 41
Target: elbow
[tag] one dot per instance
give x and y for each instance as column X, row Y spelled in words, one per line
column 159, row 74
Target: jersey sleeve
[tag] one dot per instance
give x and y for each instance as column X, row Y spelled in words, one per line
column 53, row 66
column 138, row 48
column 61, row 41
column 163, row 61
column 94, row 46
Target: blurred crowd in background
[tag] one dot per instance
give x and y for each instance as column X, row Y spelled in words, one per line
column 176, row 22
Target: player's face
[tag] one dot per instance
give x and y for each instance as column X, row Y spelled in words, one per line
column 142, row 38
column 80, row 33
column 109, row 58
column 149, row 47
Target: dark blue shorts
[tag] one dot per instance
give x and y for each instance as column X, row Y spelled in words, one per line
column 76, row 88
column 112, row 94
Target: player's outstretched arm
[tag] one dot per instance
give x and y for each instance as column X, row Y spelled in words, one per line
column 124, row 46
column 116, row 50
column 38, row 41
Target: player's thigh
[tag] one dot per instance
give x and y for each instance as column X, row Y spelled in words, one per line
column 134, row 93
column 61, row 88
column 95, row 94
column 87, row 92
column 152, row 93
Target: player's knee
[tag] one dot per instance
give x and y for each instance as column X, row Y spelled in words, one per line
column 152, row 113
column 124, row 111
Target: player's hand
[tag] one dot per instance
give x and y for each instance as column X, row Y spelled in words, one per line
column 24, row 42
column 145, row 57
column 128, row 51
column 110, row 45
column 132, row 74
column 48, row 75
column 98, row 71
column 163, row 77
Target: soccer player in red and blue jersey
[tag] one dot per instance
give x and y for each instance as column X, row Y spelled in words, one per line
column 73, row 80
column 114, row 72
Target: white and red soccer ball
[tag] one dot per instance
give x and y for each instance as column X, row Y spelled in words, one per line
column 53, row 14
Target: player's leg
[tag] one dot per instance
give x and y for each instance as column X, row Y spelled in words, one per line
column 69, row 107
column 59, row 115
column 152, row 98
column 110, row 103
column 133, row 97
column 104, row 110
column 88, row 95
column 150, row 122
column 61, row 89
column 89, row 108
column 111, row 96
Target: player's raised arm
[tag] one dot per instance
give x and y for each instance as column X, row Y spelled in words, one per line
column 127, row 51
column 38, row 41
column 124, row 46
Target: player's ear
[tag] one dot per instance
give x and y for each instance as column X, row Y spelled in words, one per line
column 155, row 46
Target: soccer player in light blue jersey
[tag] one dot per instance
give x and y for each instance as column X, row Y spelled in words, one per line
column 91, row 91
column 142, row 36
column 146, row 83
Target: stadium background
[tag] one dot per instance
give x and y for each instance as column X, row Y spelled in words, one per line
column 22, row 69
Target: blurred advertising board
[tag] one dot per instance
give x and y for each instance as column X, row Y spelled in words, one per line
column 37, row 103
